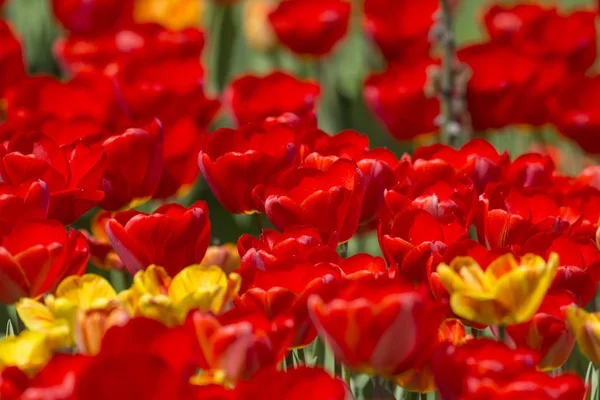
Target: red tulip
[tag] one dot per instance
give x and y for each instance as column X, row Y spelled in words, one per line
column 91, row 18
column 478, row 159
column 547, row 333
column 241, row 342
column 293, row 384
column 579, row 268
column 171, row 91
column 134, row 161
column 530, row 170
column 284, row 292
column 28, row 201
column 361, row 264
column 311, row 27
column 72, row 174
column 377, row 165
column 250, row 155
column 11, row 59
column 172, row 237
column 329, row 200
column 500, row 80
column 251, row 98
column 530, row 385
column 482, row 358
column 378, row 326
column 397, row 96
column 80, row 108
column 576, row 113
column 36, row 255
column 400, row 28
column 102, row 253
column 138, row 44
column 512, row 25
column 272, row 248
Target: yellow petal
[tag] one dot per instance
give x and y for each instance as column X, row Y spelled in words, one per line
column 29, row 351
column 172, row 14
column 586, row 328
column 196, row 277
column 160, row 308
column 481, row 308
column 37, row 317
column 204, row 299
column 153, row 281
column 84, row 291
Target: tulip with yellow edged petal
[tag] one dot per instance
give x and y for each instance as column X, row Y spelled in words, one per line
column 507, row 292
column 155, row 295
column 172, row 14
column 586, row 328
column 29, row 351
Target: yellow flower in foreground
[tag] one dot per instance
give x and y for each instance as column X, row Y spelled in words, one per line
column 586, row 328
column 29, row 351
column 57, row 316
column 172, row 14
column 505, row 293
column 155, row 295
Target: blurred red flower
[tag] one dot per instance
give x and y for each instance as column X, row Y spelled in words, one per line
column 134, row 162
column 329, row 200
column 11, row 59
column 378, row 325
column 139, row 44
column 397, row 97
column 172, row 237
column 294, row 384
column 92, row 17
column 478, row 359
column 27, row 201
column 547, row 333
column 311, row 27
column 72, row 174
column 36, row 255
column 252, row 98
column 241, row 342
column 250, row 156
column 400, row 28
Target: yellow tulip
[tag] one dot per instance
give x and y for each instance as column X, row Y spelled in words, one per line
column 586, row 328
column 507, row 292
column 154, row 295
column 29, row 351
column 225, row 256
column 172, row 14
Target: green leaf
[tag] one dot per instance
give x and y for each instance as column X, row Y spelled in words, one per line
column 9, row 328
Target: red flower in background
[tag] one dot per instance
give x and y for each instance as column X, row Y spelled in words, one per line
column 532, row 385
column 138, row 44
column 498, row 86
column 547, row 333
column 102, row 253
column 329, row 200
column 27, row 201
column 478, row 159
column 400, row 28
column 377, row 165
column 251, row 98
column 478, row 359
column 240, row 342
column 172, row 237
column 72, row 174
column 36, row 255
column 11, row 59
column 249, row 156
column 173, row 92
column 272, row 248
column 397, row 96
column 134, row 162
column 294, row 384
column 92, row 17
column 546, row 34
column 575, row 111
column 80, row 108
column 378, row 326
column 311, row 27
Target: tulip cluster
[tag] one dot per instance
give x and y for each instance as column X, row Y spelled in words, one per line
column 488, row 261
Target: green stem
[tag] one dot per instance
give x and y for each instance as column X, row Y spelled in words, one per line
column 258, row 222
column 448, row 76
column 289, row 361
column 343, row 249
column 301, row 356
column 502, row 333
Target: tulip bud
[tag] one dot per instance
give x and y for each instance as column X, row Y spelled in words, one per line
column 91, row 325
column 225, row 256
